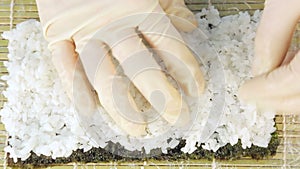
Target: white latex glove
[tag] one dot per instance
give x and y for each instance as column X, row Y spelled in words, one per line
column 275, row 86
column 178, row 13
column 70, row 28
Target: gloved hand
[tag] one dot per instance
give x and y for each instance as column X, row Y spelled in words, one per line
column 275, row 86
column 91, row 32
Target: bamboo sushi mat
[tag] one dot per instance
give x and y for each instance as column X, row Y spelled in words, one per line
column 13, row 12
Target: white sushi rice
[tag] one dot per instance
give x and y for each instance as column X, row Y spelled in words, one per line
column 40, row 118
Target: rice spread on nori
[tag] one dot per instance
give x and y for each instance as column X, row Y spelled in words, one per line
column 225, row 143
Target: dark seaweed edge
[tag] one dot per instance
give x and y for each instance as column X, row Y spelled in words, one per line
column 96, row 155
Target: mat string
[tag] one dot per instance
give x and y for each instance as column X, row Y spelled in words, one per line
column 284, row 142
column 11, row 15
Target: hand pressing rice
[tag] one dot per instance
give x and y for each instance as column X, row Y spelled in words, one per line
column 39, row 116
column 81, row 52
column 275, row 86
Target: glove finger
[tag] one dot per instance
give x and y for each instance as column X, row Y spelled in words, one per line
column 182, row 18
column 72, row 75
column 286, row 104
column 178, row 59
column 289, row 57
column 142, row 69
column 283, row 81
column 111, row 89
column 274, row 34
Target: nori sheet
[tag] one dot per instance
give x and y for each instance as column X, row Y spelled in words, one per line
column 95, row 155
